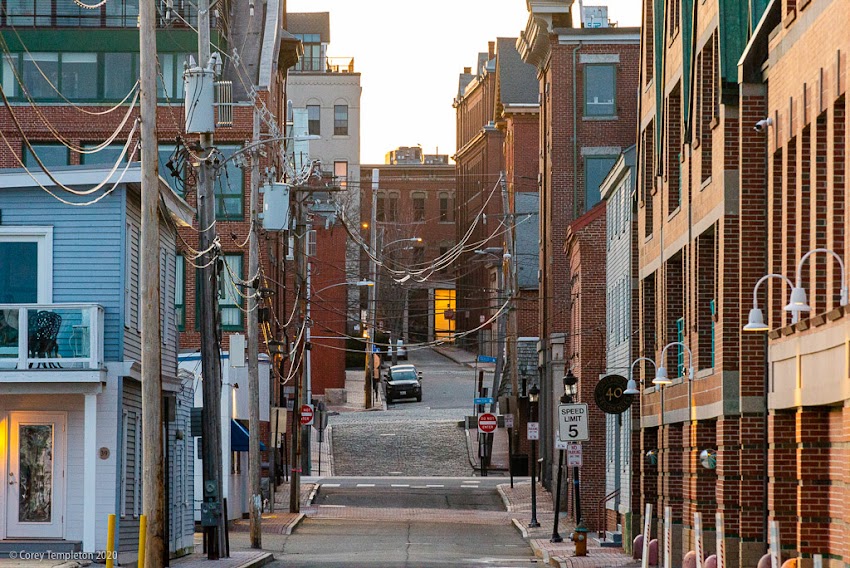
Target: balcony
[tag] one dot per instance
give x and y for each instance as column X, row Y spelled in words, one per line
column 324, row 65
column 59, row 338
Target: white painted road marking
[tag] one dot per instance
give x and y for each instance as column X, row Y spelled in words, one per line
column 365, row 485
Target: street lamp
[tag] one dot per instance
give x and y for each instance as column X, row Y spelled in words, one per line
column 798, row 301
column 533, row 397
column 570, row 382
column 631, row 387
column 661, row 378
column 756, row 317
column 410, row 240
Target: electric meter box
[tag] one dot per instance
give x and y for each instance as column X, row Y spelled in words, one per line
column 199, row 100
column 276, row 207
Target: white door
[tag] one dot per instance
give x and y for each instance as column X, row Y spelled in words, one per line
column 35, row 488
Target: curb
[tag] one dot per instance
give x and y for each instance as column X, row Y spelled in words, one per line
column 505, row 501
column 261, row 560
column 519, row 526
column 452, row 359
column 290, row 528
column 539, row 552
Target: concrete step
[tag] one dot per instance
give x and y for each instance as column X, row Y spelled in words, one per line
column 610, row 539
column 27, row 545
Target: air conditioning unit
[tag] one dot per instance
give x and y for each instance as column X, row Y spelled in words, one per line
column 594, row 16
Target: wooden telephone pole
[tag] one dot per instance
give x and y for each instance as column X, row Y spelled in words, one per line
column 152, row 462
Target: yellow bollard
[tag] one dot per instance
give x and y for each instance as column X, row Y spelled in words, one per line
column 143, row 527
column 110, row 541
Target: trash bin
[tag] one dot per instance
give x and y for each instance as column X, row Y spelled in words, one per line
column 519, row 465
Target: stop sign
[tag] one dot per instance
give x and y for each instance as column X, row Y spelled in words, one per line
column 306, row 414
column 487, row 423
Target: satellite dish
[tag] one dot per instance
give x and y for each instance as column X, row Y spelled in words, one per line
column 708, row 459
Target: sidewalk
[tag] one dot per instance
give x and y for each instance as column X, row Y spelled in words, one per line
column 562, row 554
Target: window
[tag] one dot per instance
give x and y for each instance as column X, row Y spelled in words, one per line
column 229, row 189
column 180, row 292
column 41, row 74
column 163, row 293
column 447, row 207
column 314, row 120
column 120, row 71
column 713, row 308
column 418, row 256
column 341, row 174
column 26, row 265
column 62, row 13
column 680, row 350
column 229, row 300
column 170, row 82
column 79, row 75
column 381, row 208
column 312, row 59
column 50, row 155
column 595, row 170
column 340, row 120
column 600, row 90
column 418, row 206
column 104, row 157
column 10, row 67
column 391, row 212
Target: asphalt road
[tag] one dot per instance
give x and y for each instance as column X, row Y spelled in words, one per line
column 367, row 522
column 445, row 384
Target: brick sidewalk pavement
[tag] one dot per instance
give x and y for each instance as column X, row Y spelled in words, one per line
column 517, row 501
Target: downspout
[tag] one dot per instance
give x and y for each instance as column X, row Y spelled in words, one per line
column 575, row 135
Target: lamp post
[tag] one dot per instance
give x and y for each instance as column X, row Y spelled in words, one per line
column 533, row 398
column 570, row 382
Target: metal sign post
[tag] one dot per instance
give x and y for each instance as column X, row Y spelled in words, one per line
column 698, row 548
column 647, row 528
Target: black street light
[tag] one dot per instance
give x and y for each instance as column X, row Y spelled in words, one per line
column 570, row 381
column 533, row 396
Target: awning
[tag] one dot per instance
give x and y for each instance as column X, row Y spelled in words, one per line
column 239, row 438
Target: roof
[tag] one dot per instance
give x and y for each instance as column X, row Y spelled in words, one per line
column 170, row 202
column 310, row 23
column 574, row 229
column 518, row 84
column 463, row 82
column 622, row 167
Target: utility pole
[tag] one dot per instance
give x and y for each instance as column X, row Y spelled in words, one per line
column 510, row 277
column 152, row 463
column 210, row 355
column 306, row 466
column 373, row 276
column 300, row 243
column 254, row 349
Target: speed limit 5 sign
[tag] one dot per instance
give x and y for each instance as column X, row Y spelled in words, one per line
column 572, row 422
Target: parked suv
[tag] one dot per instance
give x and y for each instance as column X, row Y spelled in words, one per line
column 403, row 381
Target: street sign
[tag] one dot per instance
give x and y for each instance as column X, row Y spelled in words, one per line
column 486, row 359
column 509, row 420
column 484, row 400
column 278, row 424
column 609, row 394
column 533, row 430
column 559, row 445
column 487, row 423
column 306, row 414
column 572, row 422
column 573, row 455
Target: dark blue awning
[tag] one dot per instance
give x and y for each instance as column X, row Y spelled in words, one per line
column 239, row 438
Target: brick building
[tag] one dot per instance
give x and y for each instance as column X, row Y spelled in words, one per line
column 584, row 246
column 700, row 239
column 416, row 230
column 479, row 161
column 794, row 73
column 588, row 78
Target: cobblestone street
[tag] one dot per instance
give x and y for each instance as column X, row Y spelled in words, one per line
column 401, row 447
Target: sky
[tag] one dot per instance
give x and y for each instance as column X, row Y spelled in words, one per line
column 410, row 54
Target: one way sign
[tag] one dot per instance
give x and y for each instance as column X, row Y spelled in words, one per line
column 572, row 422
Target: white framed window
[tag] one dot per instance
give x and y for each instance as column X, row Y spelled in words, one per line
column 125, row 434
column 26, row 265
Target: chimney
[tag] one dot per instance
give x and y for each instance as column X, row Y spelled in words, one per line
column 467, row 70
column 491, row 50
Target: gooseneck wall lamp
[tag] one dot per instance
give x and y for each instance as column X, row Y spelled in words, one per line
column 661, row 378
column 632, row 387
column 798, row 301
column 756, row 320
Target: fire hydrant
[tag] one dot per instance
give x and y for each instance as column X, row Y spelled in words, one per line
column 579, row 537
